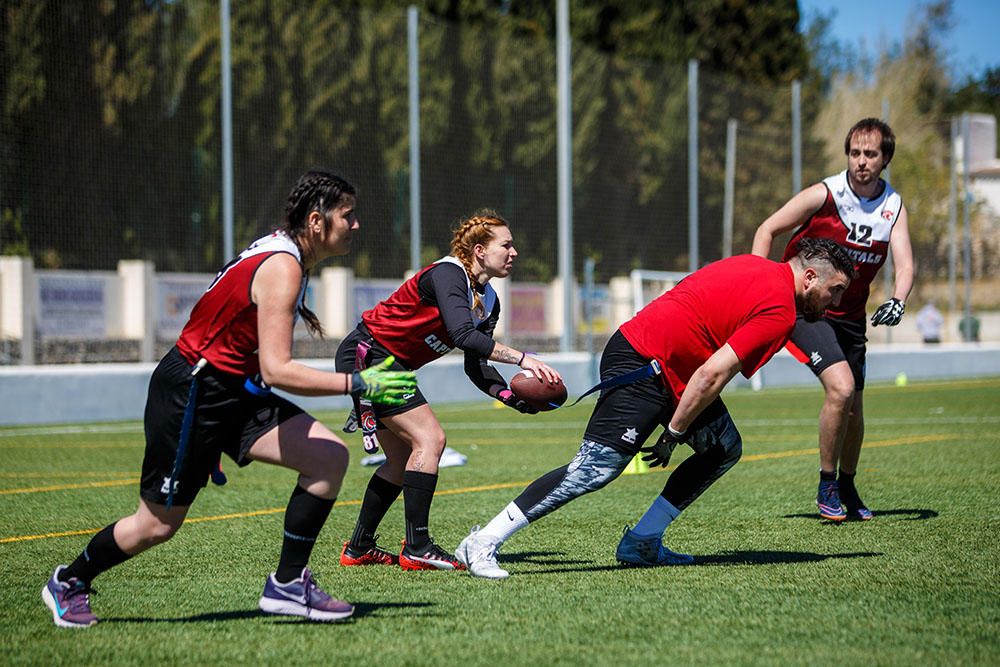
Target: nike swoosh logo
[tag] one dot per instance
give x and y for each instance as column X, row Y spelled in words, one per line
column 59, row 608
column 288, row 596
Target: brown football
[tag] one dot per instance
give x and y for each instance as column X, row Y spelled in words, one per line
column 537, row 393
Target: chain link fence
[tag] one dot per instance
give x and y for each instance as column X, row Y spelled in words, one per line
column 110, row 141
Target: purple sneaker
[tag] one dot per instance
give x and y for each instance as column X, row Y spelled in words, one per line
column 69, row 601
column 302, row 597
column 828, row 501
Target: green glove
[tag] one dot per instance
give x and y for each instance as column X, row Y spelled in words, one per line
column 380, row 385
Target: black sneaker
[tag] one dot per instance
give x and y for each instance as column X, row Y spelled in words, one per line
column 854, row 506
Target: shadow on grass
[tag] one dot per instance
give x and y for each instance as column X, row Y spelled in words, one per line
column 361, row 609
column 904, row 514
column 541, row 557
column 774, row 557
column 729, row 558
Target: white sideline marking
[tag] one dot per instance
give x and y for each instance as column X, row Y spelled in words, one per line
column 516, row 426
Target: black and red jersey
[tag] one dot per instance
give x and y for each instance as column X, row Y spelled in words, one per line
column 223, row 324
column 862, row 226
column 412, row 327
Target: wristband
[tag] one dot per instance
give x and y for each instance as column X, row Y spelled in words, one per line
column 522, row 359
column 674, row 432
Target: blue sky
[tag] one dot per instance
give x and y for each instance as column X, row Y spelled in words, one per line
column 972, row 46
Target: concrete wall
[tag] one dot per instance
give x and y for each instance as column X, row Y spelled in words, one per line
column 115, row 392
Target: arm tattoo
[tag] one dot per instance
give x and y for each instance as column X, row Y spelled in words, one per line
column 505, row 355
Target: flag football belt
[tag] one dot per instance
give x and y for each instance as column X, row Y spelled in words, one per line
column 187, row 424
column 366, row 418
column 649, row 370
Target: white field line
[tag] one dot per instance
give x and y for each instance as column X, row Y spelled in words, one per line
column 928, row 420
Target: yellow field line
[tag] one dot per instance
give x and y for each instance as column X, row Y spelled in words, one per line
column 66, row 487
column 445, row 492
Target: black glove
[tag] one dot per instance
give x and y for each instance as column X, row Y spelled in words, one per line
column 659, row 454
column 510, row 399
column 889, row 313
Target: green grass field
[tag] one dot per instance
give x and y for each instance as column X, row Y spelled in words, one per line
column 772, row 584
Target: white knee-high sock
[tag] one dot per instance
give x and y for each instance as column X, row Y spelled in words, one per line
column 505, row 524
column 657, row 517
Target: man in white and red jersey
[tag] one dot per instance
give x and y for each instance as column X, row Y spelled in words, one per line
column 728, row 317
column 862, row 212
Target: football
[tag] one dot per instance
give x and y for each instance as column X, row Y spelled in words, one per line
column 538, row 393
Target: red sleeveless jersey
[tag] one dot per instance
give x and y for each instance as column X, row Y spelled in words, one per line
column 413, row 330
column 863, row 227
column 223, row 324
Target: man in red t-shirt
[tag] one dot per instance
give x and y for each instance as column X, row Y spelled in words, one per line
column 729, row 317
column 859, row 210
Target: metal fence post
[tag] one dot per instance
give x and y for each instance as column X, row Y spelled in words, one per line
column 413, row 69
column 796, row 137
column 565, row 172
column 227, row 134
column 693, row 165
column 727, row 204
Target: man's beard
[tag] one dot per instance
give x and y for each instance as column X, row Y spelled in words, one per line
column 811, row 309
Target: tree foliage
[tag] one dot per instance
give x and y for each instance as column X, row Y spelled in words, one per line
column 112, row 132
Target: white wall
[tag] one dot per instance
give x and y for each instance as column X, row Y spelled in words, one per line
column 115, row 392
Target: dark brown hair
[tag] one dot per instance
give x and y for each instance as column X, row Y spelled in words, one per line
column 318, row 191
column 867, row 125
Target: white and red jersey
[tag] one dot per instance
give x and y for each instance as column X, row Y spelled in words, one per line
column 223, row 324
column 413, row 329
column 862, row 226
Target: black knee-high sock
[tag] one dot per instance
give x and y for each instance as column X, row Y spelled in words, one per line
column 846, row 481
column 101, row 554
column 379, row 497
column 304, row 518
column 418, row 492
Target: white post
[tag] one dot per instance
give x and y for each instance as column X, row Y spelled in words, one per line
column 622, row 309
column 337, row 300
column 137, row 304
column 502, row 287
column 17, row 304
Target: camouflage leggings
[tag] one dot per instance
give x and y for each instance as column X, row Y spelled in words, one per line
column 717, row 444
column 594, row 467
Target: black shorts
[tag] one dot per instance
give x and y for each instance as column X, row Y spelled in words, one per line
column 377, row 353
column 229, row 419
column 829, row 341
column 625, row 416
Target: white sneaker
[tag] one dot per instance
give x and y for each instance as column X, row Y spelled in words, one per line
column 479, row 555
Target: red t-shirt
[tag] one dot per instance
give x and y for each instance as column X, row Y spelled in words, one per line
column 746, row 301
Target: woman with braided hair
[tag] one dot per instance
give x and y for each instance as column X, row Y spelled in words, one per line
column 210, row 394
column 449, row 304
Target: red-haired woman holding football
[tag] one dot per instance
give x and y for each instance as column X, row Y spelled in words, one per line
column 449, row 304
